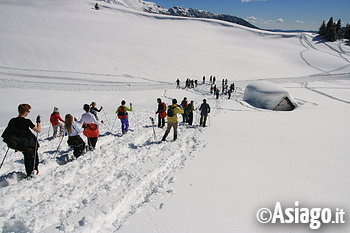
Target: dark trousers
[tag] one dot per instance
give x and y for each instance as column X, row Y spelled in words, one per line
column 92, row 143
column 161, row 121
column 203, row 120
column 184, row 118
column 30, row 162
column 78, row 145
column 190, row 118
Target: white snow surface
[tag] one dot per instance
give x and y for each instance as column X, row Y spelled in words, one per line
column 213, row 179
column 266, row 95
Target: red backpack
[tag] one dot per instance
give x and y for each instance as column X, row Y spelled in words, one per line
column 163, row 113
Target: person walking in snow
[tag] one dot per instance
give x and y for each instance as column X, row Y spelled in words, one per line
column 229, row 94
column 73, row 130
column 203, row 80
column 54, row 119
column 177, row 83
column 232, row 87
column 205, row 110
column 122, row 113
column 90, row 125
column 217, row 93
column 161, row 111
column 184, row 106
column 97, row 7
column 189, row 112
column 172, row 112
column 95, row 110
column 18, row 136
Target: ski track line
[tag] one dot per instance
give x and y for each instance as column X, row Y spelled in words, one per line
column 36, row 85
column 302, row 40
column 338, row 54
column 309, row 46
column 81, row 73
column 324, row 94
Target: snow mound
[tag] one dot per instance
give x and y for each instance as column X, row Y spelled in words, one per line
column 267, row 95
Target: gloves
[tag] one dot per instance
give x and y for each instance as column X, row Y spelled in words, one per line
column 38, row 119
column 85, row 126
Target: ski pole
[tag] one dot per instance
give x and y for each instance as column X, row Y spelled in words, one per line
column 4, row 157
column 35, row 151
column 106, row 117
column 59, row 145
column 107, row 127
column 113, row 123
column 209, row 119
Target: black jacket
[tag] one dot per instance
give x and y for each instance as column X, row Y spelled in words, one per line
column 205, row 109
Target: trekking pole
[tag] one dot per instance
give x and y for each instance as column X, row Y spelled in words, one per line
column 113, row 123
column 4, row 157
column 106, row 117
column 35, row 151
column 59, row 145
column 209, row 119
column 38, row 121
column 107, row 127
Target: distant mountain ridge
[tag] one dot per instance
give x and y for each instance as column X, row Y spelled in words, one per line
column 152, row 7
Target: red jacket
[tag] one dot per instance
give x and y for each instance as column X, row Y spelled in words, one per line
column 55, row 116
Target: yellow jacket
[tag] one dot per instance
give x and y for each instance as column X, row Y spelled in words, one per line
column 177, row 110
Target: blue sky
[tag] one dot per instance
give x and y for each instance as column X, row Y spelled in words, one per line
column 273, row 14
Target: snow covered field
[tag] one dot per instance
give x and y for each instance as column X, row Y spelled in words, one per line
column 211, row 179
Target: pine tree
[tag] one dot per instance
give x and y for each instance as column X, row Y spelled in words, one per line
column 331, row 33
column 322, row 30
column 339, row 30
column 347, row 32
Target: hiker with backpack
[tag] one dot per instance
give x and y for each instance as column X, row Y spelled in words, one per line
column 90, row 126
column 18, row 136
column 161, row 111
column 95, row 110
column 73, row 130
column 122, row 113
column 172, row 112
column 205, row 110
column 55, row 119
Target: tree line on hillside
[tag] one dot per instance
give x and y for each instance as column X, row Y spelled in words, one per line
column 333, row 31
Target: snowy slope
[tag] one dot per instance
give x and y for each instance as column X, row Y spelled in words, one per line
column 209, row 180
column 117, row 41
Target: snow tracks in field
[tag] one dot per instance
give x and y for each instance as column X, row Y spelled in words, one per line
column 99, row 190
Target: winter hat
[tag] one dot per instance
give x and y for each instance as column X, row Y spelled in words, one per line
column 55, row 109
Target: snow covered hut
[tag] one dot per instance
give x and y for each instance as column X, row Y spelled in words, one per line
column 267, row 95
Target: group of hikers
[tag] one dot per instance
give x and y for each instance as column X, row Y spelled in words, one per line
column 18, row 134
column 225, row 88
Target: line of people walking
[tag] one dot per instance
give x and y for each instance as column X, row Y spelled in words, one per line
column 18, row 134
